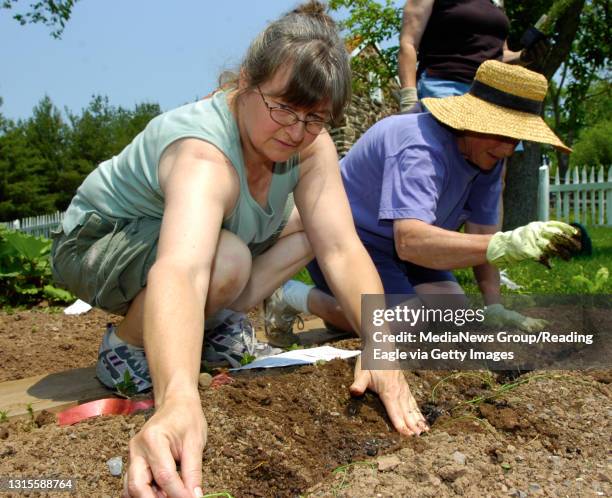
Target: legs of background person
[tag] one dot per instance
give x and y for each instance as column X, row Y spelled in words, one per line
column 327, row 308
column 230, row 273
column 429, row 293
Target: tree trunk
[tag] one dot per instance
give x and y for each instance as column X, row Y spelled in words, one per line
column 521, row 190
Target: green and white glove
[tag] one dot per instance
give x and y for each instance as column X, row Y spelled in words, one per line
column 498, row 316
column 538, row 240
column 408, row 97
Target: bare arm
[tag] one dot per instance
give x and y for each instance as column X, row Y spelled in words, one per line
column 327, row 219
column 510, row 56
column 328, row 222
column 199, row 189
column 414, row 21
column 437, row 248
column 486, row 274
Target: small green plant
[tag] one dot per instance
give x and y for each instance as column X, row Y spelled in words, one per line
column 247, row 358
column 486, row 378
column 592, row 286
column 343, row 470
column 3, row 416
column 126, row 387
column 293, row 347
column 222, row 494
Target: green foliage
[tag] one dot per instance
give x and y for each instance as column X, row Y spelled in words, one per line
column 52, row 13
column 25, row 270
column 247, row 358
column 594, row 147
column 595, row 285
column 303, row 276
column 371, row 23
column 45, row 158
column 3, row 416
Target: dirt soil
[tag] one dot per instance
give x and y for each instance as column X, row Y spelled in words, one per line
column 296, row 432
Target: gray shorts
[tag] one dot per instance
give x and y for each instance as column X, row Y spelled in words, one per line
column 106, row 263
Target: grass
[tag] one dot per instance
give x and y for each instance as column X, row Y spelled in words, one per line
column 303, row 276
column 577, row 276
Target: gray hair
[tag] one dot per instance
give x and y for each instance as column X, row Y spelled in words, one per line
column 306, row 40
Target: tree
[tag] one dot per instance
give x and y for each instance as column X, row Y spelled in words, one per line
column 52, row 13
column 44, row 159
column 369, row 22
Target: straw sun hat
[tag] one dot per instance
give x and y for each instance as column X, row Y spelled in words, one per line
column 503, row 100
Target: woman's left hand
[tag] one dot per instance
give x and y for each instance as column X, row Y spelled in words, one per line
column 395, row 394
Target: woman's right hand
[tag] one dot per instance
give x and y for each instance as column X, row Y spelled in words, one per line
column 176, row 433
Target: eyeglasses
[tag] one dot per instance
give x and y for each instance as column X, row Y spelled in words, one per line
column 287, row 117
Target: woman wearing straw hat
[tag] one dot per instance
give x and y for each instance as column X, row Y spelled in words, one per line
column 414, row 179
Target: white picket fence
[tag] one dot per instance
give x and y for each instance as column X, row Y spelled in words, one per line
column 585, row 196
column 37, row 225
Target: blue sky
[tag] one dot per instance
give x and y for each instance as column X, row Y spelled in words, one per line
column 132, row 51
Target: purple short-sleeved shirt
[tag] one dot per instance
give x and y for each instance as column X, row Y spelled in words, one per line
column 409, row 166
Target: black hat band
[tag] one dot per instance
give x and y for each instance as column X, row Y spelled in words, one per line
column 505, row 99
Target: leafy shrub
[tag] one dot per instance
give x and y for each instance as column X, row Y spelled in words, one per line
column 25, row 270
column 594, row 148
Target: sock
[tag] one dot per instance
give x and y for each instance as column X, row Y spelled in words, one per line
column 114, row 340
column 217, row 319
column 295, row 294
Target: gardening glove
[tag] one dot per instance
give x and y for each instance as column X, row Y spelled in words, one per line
column 497, row 316
column 408, row 97
column 538, row 240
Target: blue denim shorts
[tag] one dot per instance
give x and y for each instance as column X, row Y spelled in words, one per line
column 428, row 86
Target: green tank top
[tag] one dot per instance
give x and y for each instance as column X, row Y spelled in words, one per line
column 127, row 186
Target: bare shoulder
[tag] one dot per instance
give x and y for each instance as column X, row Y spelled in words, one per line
column 320, row 154
column 189, row 151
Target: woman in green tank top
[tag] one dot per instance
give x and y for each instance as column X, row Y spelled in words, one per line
column 198, row 235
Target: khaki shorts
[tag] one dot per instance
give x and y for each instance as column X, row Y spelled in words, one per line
column 106, row 263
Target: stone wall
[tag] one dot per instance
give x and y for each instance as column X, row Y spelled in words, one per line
column 362, row 113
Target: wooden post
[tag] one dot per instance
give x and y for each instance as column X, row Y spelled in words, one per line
column 566, row 198
column 576, row 194
column 543, row 193
column 609, row 200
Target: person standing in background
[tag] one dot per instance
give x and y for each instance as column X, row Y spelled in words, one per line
column 449, row 39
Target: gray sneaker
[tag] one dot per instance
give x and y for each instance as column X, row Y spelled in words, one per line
column 232, row 342
column 116, row 358
column 279, row 318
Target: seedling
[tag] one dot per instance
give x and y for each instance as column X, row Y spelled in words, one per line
column 3, row 416
column 247, row 358
column 486, row 379
column 30, row 412
column 126, row 387
column 593, row 286
column 343, row 469
column 223, row 494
